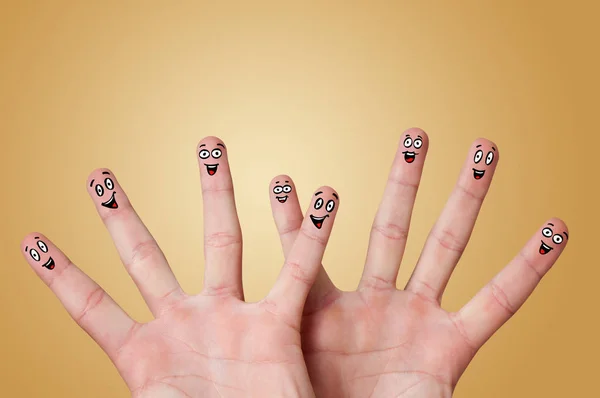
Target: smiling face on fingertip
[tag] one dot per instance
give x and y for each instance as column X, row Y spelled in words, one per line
column 412, row 143
column 484, row 157
column 103, row 188
column 323, row 206
column 37, row 250
column 553, row 236
column 281, row 189
column 211, row 154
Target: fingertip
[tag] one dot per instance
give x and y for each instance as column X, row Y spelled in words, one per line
column 487, row 144
column 30, row 239
column 327, row 190
column 97, row 175
column 210, row 140
column 281, row 178
column 415, row 131
column 559, row 226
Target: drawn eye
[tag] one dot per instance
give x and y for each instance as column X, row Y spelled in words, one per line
column 277, row 189
column 109, row 183
column 418, row 143
column 407, row 142
column 319, row 203
column 34, row 254
column 330, row 206
column 42, row 246
column 287, row 189
column 216, row 153
column 547, row 232
column 478, row 156
column 204, row 154
column 99, row 190
column 557, row 239
column 489, row 158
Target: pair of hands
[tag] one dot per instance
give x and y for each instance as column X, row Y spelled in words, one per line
column 306, row 338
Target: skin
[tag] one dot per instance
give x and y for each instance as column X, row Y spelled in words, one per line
column 208, row 345
column 379, row 341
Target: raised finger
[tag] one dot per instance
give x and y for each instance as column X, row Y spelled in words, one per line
column 302, row 262
column 500, row 299
column 222, row 232
column 87, row 303
column 139, row 252
column 389, row 231
column 288, row 220
column 450, row 234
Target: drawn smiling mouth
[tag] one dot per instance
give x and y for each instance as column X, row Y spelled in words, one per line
column 544, row 248
column 409, row 156
column 281, row 199
column 211, row 168
column 111, row 203
column 49, row 264
column 478, row 174
column 318, row 221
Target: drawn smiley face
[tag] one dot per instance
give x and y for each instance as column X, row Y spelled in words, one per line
column 409, row 143
column 479, row 157
column 556, row 239
column 323, row 208
column 282, row 191
column 205, row 153
column 38, row 253
column 104, row 189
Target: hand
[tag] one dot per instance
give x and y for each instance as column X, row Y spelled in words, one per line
column 210, row 345
column 382, row 342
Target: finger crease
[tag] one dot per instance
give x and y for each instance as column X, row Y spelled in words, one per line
column 314, row 238
column 470, row 194
column 298, row 273
column 57, row 276
column 501, row 298
column 219, row 240
column 142, row 251
column 449, row 241
column 289, row 229
column 391, row 231
column 93, row 300
column 403, row 183
column 217, row 190
column 529, row 264
column 378, row 283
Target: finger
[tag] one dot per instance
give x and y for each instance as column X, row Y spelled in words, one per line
column 222, row 232
column 139, row 252
column 448, row 238
column 90, row 306
column 390, row 227
column 505, row 294
column 288, row 220
column 302, row 263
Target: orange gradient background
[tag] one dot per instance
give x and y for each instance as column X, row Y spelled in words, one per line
column 321, row 91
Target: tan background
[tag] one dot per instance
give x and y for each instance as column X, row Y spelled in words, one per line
column 321, row 92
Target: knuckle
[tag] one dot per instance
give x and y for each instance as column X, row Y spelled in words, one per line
column 448, row 240
column 222, row 239
column 501, row 298
column 391, row 231
column 93, row 300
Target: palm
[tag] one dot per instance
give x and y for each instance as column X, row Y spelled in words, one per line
column 218, row 346
column 384, row 343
